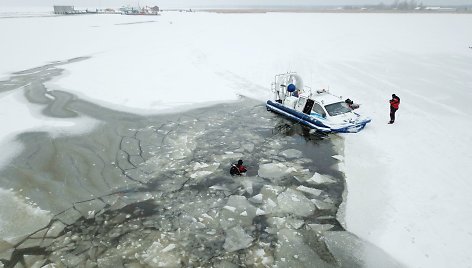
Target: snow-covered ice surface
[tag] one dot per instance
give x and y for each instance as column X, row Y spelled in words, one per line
column 408, row 187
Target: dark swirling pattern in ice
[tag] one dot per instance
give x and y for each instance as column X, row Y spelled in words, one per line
column 154, row 191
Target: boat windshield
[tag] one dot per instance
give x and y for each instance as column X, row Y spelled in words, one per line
column 337, row 108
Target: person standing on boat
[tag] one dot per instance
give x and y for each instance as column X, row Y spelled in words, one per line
column 237, row 169
column 394, row 104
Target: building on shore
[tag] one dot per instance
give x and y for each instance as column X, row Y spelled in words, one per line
column 70, row 10
column 147, row 10
column 66, row 10
column 441, row 9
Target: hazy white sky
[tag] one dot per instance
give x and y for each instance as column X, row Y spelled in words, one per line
column 196, row 3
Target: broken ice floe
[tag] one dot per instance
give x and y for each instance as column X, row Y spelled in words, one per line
column 291, row 153
column 294, row 202
column 236, row 239
column 321, row 179
column 274, row 170
column 320, row 227
column 168, row 200
column 158, row 255
column 248, row 185
column 308, row 190
column 322, row 205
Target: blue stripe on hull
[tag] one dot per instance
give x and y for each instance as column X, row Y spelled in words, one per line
column 297, row 116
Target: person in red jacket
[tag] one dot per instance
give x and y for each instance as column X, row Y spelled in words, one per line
column 237, row 169
column 394, row 104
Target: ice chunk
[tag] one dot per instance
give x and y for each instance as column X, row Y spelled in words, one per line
column 312, row 191
column 168, row 248
column 69, row 216
column 55, row 229
column 299, row 179
column 271, row 191
column 218, row 188
column 285, row 222
column 320, row 179
column 201, row 170
column 328, row 200
column 247, row 184
column 294, row 202
column 236, row 239
column 230, row 215
column 87, row 208
column 159, row 255
column 260, row 257
column 320, row 227
column 248, row 147
column 200, row 174
column 207, row 216
column 256, row 199
column 291, row 170
column 321, row 205
column 295, row 223
column 292, row 251
column 232, row 209
column 269, row 206
column 278, row 222
column 103, row 261
column 273, row 170
column 291, row 153
column 260, row 212
column 199, row 165
column 269, row 194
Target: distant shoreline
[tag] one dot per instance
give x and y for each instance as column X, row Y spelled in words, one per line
column 310, row 10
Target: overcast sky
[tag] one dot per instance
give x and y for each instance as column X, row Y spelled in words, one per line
column 196, row 3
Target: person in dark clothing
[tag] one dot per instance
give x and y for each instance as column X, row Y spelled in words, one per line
column 394, row 104
column 237, row 169
column 351, row 104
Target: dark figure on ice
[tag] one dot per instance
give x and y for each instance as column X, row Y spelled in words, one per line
column 237, row 169
column 351, row 104
column 394, row 104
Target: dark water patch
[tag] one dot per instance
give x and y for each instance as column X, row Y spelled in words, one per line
column 59, row 107
column 32, row 81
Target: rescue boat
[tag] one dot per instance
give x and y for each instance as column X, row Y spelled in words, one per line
column 320, row 110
